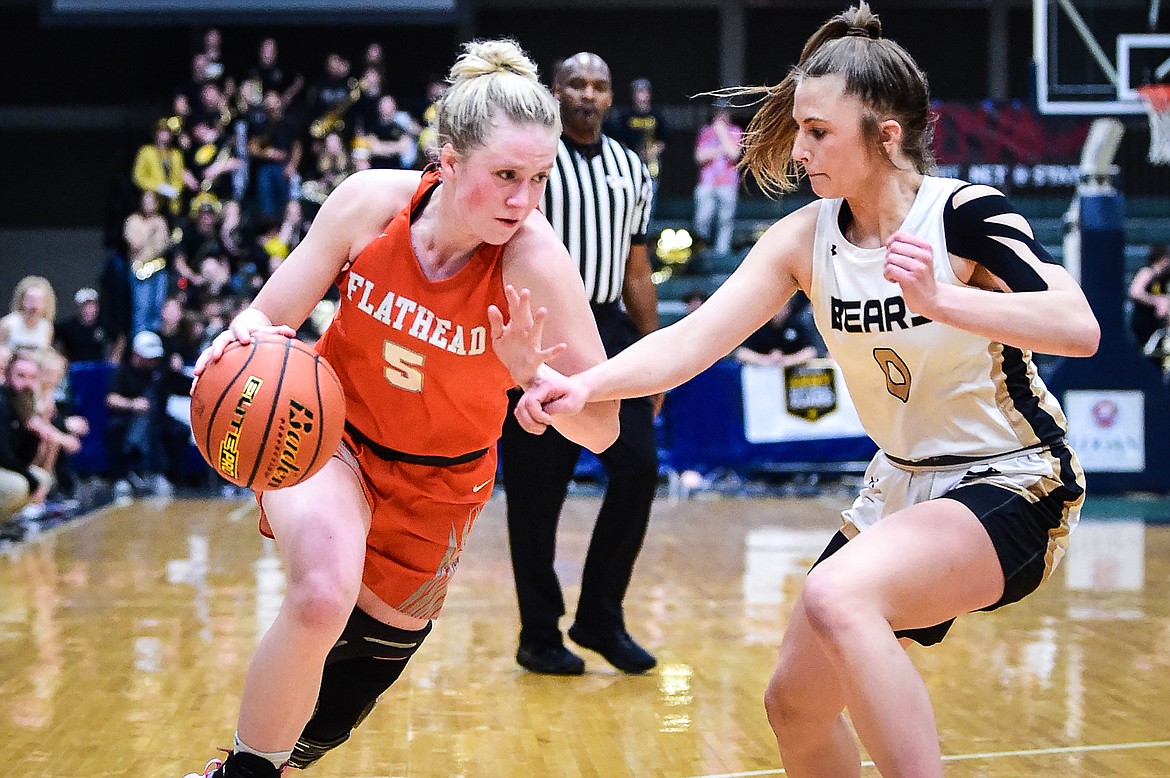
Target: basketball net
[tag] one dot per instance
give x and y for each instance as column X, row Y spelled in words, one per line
column 1156, row 98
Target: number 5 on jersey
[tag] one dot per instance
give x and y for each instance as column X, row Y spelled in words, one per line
column 403, row 366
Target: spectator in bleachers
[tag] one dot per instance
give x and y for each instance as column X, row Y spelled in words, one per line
column 148, row 242
column 365, row 110
column 211, row 107
column 29, row 324
column 211, row 160
column 273, row 77
column 641, row 127
column 178, row 335
column 201, row 236
column 331, row 167
column 280, row 239
column 332, row 94
column 436, row 86
column 21, row 482
column 275, row 151
column 215, row 315
column 374, row 59
column 158, row 167
column 81, row 337
column 180, row 117
column 392, row 136
column 213, row 281
column 59, row 429
column 1150, row 293
column 717, row 151
column 144, row 442
column 782, row 340
column 212, row 52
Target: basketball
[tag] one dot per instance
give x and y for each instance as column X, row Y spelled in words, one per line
column 268, row 414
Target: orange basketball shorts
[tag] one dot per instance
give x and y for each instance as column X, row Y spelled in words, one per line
column 421, row 517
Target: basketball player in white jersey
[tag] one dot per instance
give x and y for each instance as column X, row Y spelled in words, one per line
column 932, row 295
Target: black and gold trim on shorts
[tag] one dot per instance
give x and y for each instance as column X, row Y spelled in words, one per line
column 1028, row 526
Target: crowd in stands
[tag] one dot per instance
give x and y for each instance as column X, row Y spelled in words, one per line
column 225, row 188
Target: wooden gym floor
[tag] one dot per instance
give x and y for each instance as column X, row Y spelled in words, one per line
column 124, row 637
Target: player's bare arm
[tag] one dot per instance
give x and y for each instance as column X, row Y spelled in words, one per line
column 778, row 265
column 536, row 260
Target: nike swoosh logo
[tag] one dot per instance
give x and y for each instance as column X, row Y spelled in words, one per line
column 485, row 483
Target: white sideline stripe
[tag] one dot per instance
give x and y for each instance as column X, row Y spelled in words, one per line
column 987, row 755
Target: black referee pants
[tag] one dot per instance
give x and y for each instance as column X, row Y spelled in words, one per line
column 536, row 471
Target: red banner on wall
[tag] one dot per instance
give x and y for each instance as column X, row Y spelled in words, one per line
column 1007, row 145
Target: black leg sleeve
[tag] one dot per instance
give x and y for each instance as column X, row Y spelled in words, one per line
column 367, row 659
column 349, row 690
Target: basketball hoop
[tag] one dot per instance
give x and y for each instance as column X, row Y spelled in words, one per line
column 1156, row 98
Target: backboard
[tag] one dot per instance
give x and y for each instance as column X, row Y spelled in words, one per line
column 1092, row 55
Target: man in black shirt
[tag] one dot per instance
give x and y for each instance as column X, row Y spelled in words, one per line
column 598, row 200
column 276, row 151
column 641, row 127
column 81, row 337
column 782, row 341
column 144, row 442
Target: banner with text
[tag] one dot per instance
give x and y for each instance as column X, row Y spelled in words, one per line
column 1008, row 145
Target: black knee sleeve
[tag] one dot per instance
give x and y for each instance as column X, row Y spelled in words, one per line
column 366, row 660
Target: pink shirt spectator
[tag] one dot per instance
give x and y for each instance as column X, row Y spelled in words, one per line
column 720, row 169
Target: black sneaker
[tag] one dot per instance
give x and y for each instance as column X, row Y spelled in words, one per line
column 618, row 648
column 243, row 764
column 550, row 660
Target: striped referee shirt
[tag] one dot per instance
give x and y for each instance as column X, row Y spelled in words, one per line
column 598, row 200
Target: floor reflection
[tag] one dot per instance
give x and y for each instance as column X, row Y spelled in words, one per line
column 124, row 640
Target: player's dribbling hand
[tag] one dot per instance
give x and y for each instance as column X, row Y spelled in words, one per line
column 249, row 322
column 910, row 264
column 517, row 343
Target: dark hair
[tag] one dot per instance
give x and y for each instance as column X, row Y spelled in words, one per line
column 876, row 70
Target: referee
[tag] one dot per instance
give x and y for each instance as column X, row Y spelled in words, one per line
column 598, row 200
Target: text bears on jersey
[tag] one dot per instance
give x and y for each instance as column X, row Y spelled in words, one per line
column 873, row 315
column 417, row 320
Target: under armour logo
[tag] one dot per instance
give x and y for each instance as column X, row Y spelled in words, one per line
column 833, row 250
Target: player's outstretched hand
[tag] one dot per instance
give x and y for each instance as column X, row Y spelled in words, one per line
column 517, row 343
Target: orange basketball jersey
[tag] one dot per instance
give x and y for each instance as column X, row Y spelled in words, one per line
column 415, row 356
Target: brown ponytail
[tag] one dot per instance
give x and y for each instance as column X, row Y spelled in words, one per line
column 876, row 70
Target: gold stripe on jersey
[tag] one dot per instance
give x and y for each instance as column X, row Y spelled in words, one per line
column 1043, row 423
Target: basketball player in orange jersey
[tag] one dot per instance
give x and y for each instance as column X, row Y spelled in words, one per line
column 931, row 294
column 370, row 542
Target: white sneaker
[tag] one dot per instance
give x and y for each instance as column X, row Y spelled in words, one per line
column 123, row 490
column 208, row 771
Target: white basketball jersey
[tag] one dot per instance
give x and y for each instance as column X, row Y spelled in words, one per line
column 927, row 393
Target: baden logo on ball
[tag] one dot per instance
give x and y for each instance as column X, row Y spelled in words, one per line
column 268, row 414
